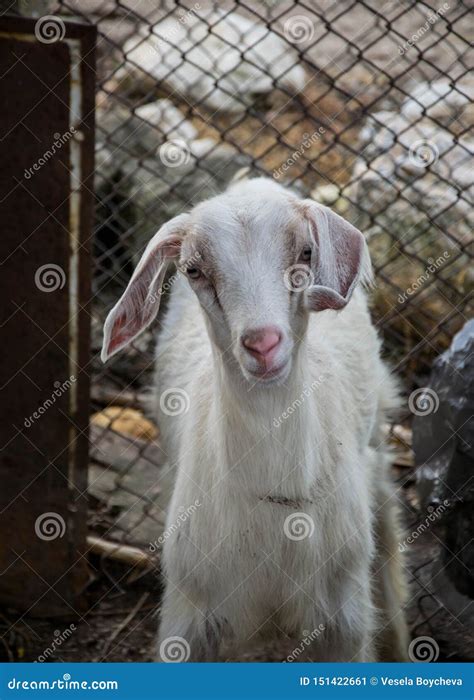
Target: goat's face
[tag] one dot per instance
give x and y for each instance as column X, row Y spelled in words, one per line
column 258, row 259
column 243, row 255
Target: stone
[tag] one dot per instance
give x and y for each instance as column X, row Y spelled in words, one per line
column 180, row 177
column 440, row 100
column 133, row 480
column 224, row 70
column 146, row 176
column 409, row 152
column 410, row 192
column 171, row 122
column 430, row 165
column 126, row 420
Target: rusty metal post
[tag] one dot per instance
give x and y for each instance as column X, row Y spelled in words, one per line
column 46, row 150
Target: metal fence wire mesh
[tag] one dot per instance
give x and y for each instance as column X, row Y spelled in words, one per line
column 364, row 106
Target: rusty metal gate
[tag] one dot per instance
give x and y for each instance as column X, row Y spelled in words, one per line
column 47, row 152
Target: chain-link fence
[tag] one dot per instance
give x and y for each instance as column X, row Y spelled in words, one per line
column 364, row 106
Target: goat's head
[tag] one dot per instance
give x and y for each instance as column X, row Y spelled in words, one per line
column 259, row 259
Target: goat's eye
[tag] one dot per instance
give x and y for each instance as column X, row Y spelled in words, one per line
column 305, row 254
column 193, row 272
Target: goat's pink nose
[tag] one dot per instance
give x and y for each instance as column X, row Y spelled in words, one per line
column 261, row 341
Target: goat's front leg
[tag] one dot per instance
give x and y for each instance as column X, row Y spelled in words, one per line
column 348, row 634
column 337, row 646
column 342, row 645
column 186, row 633
column 356, row 621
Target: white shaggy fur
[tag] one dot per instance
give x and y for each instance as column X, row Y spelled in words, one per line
column 259, row 454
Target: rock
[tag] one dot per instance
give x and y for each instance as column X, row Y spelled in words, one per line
column 144, row 178
column 170, row 121
column 330, row 196
column 225, row 69
column 135, row 484
column 411, row 192
column 128, row 421
column 123, row 134
column 443, row 442
column 171, row 181
column 409, row 152
column 326, row 194
column 429, row 164
column 440, row 100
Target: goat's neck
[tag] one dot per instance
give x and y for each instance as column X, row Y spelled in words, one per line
column 265, row 433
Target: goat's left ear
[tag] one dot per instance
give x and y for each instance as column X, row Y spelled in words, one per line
column 341, row 259
column 139, row 304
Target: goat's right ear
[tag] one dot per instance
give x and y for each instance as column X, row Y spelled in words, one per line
column 341, row 260
column 139, row 304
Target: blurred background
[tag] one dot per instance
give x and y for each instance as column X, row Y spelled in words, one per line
column 364, row 106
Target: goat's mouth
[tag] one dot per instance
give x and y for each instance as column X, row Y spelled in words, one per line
column 272, row 375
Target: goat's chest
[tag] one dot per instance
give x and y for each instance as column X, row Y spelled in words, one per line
column 284, row 529
column 263, row 551
column 270, row 523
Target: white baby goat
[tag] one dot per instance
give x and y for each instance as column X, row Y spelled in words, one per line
column 269, row 343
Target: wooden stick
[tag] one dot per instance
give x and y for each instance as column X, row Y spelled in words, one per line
column 124, row 553
column 123, row 624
